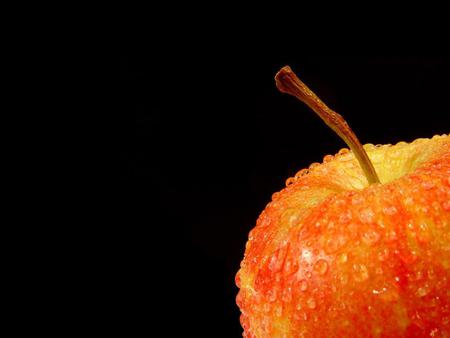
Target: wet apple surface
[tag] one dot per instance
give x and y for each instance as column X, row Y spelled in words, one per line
column 334, row 256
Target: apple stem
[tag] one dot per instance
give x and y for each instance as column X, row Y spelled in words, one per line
column 287, row 82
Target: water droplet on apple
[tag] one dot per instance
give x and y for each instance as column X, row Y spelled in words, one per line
column 367, row 215
column 434, row 332
column 423, row 291
column 381, row 224
column 343, row 258
column 290, row 266
column 423, row 234
column 343, row 151
column 383, row 254
column 357, row 200
column 311, row 303
column 263, row 220
column 369, row 146
column 386, row 294
column 408, row 201
column 427, row 185
column 240, row 299
column 314, row 165
column 301, row 173
column 278, row 311
column 391, row 236
column 377, row 292
column 321, row 267
column 308, row 274
column 289, row 217
column 425, row 209
column 287, row 295
column 307, row 255
column 273, row 262
column 328, row 158
column 244, row 321
column 360, row 272
column 272, row 295
column 423, row 227
column 237, row 279
column 345, row 217
column 343, row 279
column 446, row 205
column 334, row 244
column 303, row 285
column 419, row 275
column 371, row 237
column 391, row 210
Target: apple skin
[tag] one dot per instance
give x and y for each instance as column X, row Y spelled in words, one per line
column 331, row 256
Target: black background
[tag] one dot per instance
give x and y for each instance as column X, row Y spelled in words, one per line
column 202, row 138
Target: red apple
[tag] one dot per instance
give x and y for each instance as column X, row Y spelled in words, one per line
column 358, row 246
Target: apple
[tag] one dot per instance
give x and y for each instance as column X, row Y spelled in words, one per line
column 357, row 246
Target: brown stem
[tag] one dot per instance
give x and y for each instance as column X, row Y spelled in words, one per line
column 287, row 82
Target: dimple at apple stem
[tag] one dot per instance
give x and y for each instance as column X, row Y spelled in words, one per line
column 287, row 82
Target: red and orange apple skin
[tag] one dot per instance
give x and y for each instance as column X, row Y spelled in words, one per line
column 330, row 257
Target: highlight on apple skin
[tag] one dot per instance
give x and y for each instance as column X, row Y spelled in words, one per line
column 334, row 255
